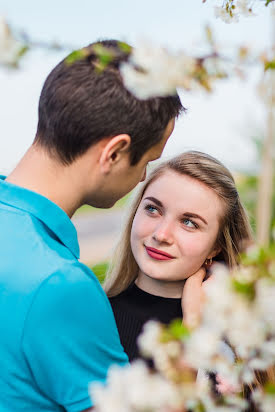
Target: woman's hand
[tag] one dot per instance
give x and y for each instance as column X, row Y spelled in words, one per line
column 193, row 297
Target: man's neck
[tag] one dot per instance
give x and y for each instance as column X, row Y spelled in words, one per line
column 44, row 175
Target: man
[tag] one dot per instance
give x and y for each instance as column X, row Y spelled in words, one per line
column 93, row 142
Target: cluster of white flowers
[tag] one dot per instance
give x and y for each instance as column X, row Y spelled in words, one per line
column 10, row 48
column 235, row 338
column 231, row 10
column 135, row 388
column 246, row 322
column 161, row 354
column 155, row 71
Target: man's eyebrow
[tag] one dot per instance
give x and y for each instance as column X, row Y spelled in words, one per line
column 153, row 199
column 188, row 214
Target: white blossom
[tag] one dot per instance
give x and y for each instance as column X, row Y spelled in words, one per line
column 230, row 10
column 244, row 7
column 267, row 351
column 266, row 401
column 221, row 13
column 153, row 71
column 265, row 293
column 245, row 331
column 233, row 404
column 9, row 46
column 233, row 315
column 148, row 340
column 219, row 299
column 134, row 388
column 202, row 346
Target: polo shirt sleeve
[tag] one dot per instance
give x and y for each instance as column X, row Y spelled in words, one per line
column 70, row 338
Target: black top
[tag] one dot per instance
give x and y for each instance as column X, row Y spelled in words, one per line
column 134, row 307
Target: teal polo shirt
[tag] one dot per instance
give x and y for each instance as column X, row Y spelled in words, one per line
column 57, row 329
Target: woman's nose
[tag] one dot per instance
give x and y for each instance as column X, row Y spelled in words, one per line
column 164, row 233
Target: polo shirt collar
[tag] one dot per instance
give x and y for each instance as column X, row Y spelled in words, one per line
column 43, row 209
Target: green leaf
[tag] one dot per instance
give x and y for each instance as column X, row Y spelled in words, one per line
column 126, row 48
column 23, row 50
column 178, row 330
column 104, row 55
column 76, row 55
column 200, row 407
column 269, row 388
column 244, row 288
column 270, row 65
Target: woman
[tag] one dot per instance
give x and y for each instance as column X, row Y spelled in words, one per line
column 187, row 215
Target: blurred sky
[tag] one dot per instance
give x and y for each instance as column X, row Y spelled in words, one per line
column 221, row 123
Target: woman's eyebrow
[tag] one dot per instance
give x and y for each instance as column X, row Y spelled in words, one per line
column 153, row 199
column 187, row 214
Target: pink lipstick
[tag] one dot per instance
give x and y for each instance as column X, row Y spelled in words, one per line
column 158, row 254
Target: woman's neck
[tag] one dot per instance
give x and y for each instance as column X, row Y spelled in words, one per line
column 158, row 287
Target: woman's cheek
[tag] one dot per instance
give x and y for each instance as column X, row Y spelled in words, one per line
column 193, row 245
column 143, row 226
column 138, row 233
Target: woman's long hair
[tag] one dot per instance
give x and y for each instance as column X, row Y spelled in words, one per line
column 234, row 232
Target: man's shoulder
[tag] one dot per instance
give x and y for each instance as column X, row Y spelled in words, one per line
column 69, row 273
column 69, row 280
column 68, row 299
column 17, row 225
column 28, row 247
column 7, row 211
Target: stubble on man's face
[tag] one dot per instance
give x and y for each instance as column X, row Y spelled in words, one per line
column 137, row 173
column 129, row 176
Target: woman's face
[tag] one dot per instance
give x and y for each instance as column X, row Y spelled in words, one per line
column 175, row 227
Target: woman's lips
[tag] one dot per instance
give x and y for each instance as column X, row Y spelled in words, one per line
column 158, row 254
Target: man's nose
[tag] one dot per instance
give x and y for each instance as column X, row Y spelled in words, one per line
column 164, row 232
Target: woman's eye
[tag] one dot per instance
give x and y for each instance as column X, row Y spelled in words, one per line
column 189, row 223
column 151, row 209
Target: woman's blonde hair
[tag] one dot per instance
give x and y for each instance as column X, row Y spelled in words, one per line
column 235, row 231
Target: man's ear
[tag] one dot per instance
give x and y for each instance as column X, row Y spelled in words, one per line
column 114, row 151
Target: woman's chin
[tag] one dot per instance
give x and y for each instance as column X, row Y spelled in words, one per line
column 167, row 279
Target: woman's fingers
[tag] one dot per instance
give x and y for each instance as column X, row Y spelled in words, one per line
column 197, row 277
column 192, row 298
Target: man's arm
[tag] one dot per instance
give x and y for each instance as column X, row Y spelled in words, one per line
column 70, row 338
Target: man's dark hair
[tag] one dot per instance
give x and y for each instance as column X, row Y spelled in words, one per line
column 81, row 103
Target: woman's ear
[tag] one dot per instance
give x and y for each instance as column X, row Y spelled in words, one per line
column 114, row 151
column 214, row 253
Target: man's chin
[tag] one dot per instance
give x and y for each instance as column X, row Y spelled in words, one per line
column 103, row 204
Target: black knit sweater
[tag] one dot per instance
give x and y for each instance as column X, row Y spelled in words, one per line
column 134, row 307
